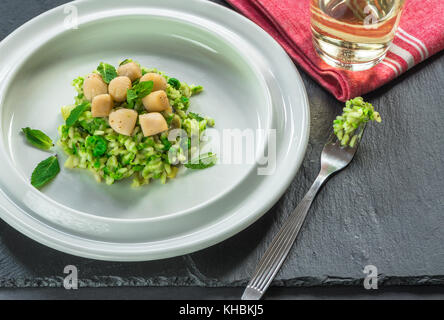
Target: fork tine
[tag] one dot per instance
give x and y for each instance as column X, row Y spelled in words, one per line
column 359, row 135
column 332, row 138
column 361, row 131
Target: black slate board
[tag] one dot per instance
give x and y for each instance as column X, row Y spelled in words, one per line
column 386, row 209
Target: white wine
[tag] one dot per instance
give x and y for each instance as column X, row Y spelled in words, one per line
column 354, row 34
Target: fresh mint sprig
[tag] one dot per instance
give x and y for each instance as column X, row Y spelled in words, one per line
column 37, row 138
column 139, row 91
column 76, row 113
column 107, row 71
column 45, row 172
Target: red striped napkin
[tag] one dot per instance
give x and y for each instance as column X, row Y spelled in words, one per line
column 420, row 35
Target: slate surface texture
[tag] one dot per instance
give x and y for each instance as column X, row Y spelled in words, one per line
column 386, row 209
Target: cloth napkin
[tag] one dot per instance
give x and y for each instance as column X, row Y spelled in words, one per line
column 420, row 35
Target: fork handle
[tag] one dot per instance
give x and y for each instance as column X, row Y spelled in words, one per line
column 275, row 255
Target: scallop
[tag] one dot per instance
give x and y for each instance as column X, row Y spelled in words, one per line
column 131, row 70
column 152, row 123
column 156, row 101
column 159, row 82
column 101, row 105
column 123, row 121
column 94, row 86
column 118, row 88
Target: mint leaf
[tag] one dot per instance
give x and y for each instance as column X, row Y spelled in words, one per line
column 139, row 91
column 76, row 113
column 196, row 116
column 174, row 83
column 131, row 97
column 144, row 88
column 205, row 161
column 107, row 71
column 45, row 172
column 37, row 138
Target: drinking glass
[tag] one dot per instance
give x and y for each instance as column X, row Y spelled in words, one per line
column 354, row 34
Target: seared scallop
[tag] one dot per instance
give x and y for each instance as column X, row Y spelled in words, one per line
column 152, row 123
column 118, row 88
column 101, row 105
column 94, row 86
column 131, row 70
column 123, row 121
column 156, row 101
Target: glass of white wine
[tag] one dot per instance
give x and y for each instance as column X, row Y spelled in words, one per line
column 354, row 34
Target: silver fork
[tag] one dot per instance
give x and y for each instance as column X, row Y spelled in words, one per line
column 334, row 158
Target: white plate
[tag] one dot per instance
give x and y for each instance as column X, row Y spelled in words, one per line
column 250, row 83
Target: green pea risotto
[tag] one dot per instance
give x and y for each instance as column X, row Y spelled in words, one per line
column 120, row 123
column 355, row 115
